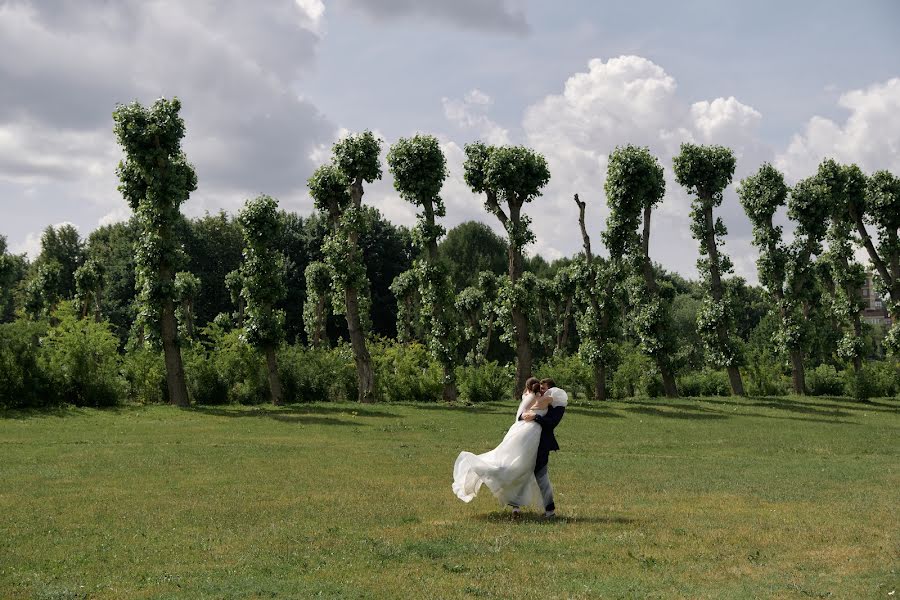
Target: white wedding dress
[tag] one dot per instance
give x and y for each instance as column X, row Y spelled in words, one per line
column 508, row 469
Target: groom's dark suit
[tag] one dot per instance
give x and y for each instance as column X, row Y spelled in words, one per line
column 548, row 441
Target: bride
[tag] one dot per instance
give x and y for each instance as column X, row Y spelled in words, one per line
column 508, row 469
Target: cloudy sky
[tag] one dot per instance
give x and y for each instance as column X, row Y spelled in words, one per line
column 268, row 86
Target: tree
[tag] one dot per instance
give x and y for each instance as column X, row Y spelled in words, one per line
column 89, row 288
column 705, row 171
column 262, row 274
column 471, row 248
column 634, row 186
column 337, row 191
column 234, row 283
column 419, row 170
column 64, row 246
column 112, row 246
column 42, row 289
column 477, row 307
column 318, row 298
column 882, row 209
column 787, row 272
column 187, row 290
column 844, row 186
column 596, row 323
column 510, row 177
column 12, row 270
column 156, row 179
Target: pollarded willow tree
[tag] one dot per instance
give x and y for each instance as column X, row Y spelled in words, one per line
column 510, row 177
column 419, row 170
column 318, row 298
column 787, row 272
column 882, row 209
column 337, row 191
column 187, row 289
column 597, row 308
column 844, row 186
column 705, row 171
column 155, row 179
column 89, row 288
column 234, row 283
column 635, row 184
column 41, row 290
column 262, row 272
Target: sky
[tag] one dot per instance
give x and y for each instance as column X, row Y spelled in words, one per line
column 267, row 87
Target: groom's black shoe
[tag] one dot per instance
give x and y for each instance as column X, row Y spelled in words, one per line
column 550, row 514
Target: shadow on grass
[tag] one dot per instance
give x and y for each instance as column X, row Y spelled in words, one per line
column 697, row 411
column 536, row 517
column 64, row 411
column 294, row 414
column 593, row 412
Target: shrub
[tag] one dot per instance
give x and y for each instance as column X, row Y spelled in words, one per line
column 405, row 373
column 707, row 382
column 570, row 373
column 765, row 376
column 23, row 383
column 317, row 374
column 884, row 377
column 241, row 368
column 487, row 382
column 144, row 372
column 635, row 375
column 80, row 357
column 204, row 384
column 825, row 380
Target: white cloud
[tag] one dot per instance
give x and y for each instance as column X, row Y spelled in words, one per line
column 470, row 113
column 625, row 100
column 870, row 137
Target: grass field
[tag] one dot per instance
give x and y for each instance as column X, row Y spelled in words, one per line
column 716, row 498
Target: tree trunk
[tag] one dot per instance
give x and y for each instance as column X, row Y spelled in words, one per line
column 437, row 309
column 274, row 379
column 174, row 368
column 319, row 330
column 798, row 373
column 662, row 361
column 599, row 382
column 734, row 375
column 519, row 318
column 365, row 374
column 857, row 332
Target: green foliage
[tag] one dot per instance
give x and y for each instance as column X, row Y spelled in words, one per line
column 570, row 373
column 318, row 298
column 598, row 298
column 406, row 373
column 707, row 382
column 62, row 245
column 155, row 179
column 262, row 273
column 112, row 246
column 882, row 209
column 240, row 367
column 477, row 306
column 42, row 290
column 485, row 382
column 317, row 374
column 88, row 288
column 635, row 375
column 23, row 381
column 80, row 358
column 204, row 383
column 634, row 182
column 825, row 380
column 187, row 289
column 144, row 372
column 471, row 248
column 12, row 270
column 357, row 157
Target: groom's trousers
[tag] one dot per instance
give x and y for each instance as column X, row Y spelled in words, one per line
column 543, row 481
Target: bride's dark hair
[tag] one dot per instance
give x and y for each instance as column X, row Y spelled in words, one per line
column 533, row 385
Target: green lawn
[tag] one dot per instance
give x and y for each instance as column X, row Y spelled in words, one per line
column 719, row 498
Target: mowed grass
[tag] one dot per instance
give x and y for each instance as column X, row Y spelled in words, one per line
column 714, row 498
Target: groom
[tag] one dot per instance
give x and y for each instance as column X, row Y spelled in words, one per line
column 548, row 441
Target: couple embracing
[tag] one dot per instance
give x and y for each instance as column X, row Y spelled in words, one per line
column 516, row 470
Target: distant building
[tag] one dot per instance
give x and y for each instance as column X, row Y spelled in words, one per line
column 874, row 312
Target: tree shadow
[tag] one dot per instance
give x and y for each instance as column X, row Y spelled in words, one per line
column 703, row 412
column 680, row 413
column 63, row 411
column 302, row 416
column 593, row 412
column 499, row 516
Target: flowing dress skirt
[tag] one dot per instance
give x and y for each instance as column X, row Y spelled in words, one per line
column 507, row 470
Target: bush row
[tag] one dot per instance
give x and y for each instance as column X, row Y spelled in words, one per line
column 77, row 361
